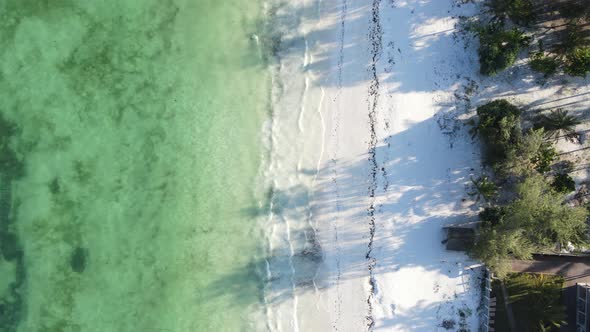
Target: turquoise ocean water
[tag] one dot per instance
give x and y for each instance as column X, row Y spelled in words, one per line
column 130, row 159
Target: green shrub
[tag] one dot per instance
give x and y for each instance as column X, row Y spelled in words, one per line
column 574, row 37
column 574, row 10
column 536, row 301
column 558, row 123
column 544, row 64
column 536, row 220
column 544, row 158
column 498, row 48
column 493, row 215
column 495, row 247
column 519, row 11
column 499, row 127
column 578, row 61
column 540, row 212
column 563, row 183
column 525, row 155
column 482, row 187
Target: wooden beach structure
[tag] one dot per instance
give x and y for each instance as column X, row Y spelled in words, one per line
column 460, row 236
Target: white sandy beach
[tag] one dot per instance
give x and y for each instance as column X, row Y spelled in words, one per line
column 369, row 160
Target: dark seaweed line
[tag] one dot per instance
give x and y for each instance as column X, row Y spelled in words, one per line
column 375, row 38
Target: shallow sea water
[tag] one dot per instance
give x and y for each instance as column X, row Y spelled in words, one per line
column 130, row 136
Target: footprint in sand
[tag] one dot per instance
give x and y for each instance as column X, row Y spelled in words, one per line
column 436, row 287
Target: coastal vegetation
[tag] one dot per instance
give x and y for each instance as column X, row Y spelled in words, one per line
column 563, row 183
column 509, row 150
column 519, row 11
column 532, row 214
column 558, row 123
column 544, row 63
column 483, row 188
column 515, row 24
column 535, row 221
column 499, row 126
column 532, row 204
column 577, row 61
column 498, row 47
column 535, row 300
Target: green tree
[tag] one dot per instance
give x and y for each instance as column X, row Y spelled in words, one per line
column 558, row 123
column 493, row 215
column 499, row 127
column 575, row 9
column 540, row 213
column 482, row 187
column 544, row 64
column 498, row 48
column 537, row 220
column 529, row 153
column 577, row 61
column 544, row 157
column 495, row 246
column 510, row 151
column 574, row 37
column 537, row 299
column 519, row 11
column 563, row 183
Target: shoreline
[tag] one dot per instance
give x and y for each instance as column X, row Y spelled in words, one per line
column 370, row 179
column 392, row 170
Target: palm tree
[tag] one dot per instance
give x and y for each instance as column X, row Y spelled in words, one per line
column 554, row 316
column 482, row 187
column 539, row 297
column 558, row 123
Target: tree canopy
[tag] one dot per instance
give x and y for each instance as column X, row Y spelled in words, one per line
column 535, row 221
column 536, row 301
column 498, row 48
column 499, row 127
column 519, row 11
column 578, row 61
column 558, row 123
column 543, row 63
